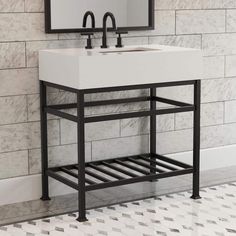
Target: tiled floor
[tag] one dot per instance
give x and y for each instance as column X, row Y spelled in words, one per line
column 168, row 215
column 60, row 205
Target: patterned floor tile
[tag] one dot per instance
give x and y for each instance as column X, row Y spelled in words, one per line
column 169, row 215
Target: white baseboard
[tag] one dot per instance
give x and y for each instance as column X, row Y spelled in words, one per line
column 212, row 158
column 28, row 188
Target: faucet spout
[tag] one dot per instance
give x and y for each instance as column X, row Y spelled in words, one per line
column 113, row 20
column 86, row 15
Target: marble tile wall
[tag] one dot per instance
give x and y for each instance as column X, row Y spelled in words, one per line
column 206, row 24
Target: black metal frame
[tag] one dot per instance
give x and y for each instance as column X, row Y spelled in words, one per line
column 125, row 170
column 49, row 30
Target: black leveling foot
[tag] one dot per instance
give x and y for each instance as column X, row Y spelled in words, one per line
column 45, row 198
column 195, row 197
column 82, row 219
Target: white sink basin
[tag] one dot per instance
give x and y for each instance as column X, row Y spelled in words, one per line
column 124, row 50
column 98, row 68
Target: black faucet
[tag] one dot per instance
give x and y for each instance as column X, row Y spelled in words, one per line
column 89, row 13
column 89, row 34
column 104, row 37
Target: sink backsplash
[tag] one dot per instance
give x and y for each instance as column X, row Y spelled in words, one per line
column 206, row 24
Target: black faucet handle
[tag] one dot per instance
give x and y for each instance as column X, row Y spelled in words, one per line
column 89, row 40
column 119, row 39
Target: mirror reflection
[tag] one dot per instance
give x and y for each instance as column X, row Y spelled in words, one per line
column 68, row 14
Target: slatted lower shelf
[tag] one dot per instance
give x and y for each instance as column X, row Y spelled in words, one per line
column 121, row 171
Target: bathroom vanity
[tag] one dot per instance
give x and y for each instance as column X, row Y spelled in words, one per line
column 82, row 72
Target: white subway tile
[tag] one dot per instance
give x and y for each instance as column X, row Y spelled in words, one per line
column 70, row 36
column 57, row 156
column 194, row 4
column 230, row 111
column 175, row 141
column 13, row 164
column 180, row 93
column 23, row 26
column 165, row 5
column 26, row 136
column 137, row 126
column 230, row 66
column 231, row 20
column 12, row 55
column 13, row 109
column 19, row 82
column 213, row 4
column 214, row 67
column 211, row 114
column 119, row 147
column 178, row 4
column 164, row 22
column 182, row 140
column 219, row 44
column 93, row 131
column 134, row 41
column 214, row 90
column 190, row 41
column 33, row 103
column 201, row 21
column 184, row 120
column 34, row 6
column 215, row 136
column 11, row 6
column 229, row 3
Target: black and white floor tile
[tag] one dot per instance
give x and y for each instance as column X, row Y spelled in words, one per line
column 169, row 215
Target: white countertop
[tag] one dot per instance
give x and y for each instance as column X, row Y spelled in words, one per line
column 85, row 69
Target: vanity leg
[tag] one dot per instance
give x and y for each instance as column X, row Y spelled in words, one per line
column 81, row 156
column 153, row 128
column 196, row 140
column 44, row 141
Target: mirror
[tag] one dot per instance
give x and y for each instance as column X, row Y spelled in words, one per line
column 66, row 16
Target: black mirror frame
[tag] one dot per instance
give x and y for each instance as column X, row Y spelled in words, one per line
column 47, row 3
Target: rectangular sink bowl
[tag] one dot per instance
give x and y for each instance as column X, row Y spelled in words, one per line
column 129, row 50
column 100, row 68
